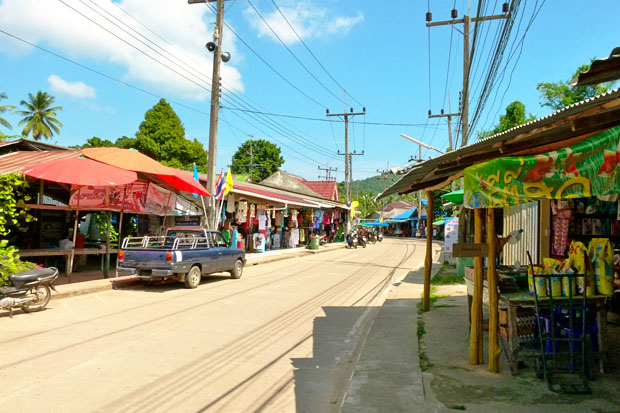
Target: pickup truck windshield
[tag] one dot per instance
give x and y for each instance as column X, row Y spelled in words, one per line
column 216, row 240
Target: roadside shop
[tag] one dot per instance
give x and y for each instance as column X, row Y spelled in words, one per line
column 541, row 186
column 258, row 218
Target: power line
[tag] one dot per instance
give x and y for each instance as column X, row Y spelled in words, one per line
column 312, row 54
column 291, row 52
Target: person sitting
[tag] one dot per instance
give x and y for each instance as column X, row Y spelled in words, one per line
column 65, row 243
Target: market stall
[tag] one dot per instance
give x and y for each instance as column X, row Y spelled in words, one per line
column 582, row 181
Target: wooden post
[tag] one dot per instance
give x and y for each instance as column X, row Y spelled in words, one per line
column 75, row 228
column 494, row 349
column 106, row 268
column 428, row 262
column 475, row 336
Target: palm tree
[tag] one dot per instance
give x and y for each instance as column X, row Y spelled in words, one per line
column 39, row 116
column 4, row 122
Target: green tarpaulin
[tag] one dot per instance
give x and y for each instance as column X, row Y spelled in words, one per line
column 455, row 196
column 588, row 168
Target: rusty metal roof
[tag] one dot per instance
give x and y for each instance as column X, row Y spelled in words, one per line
column 576, row 121
column 16, row 161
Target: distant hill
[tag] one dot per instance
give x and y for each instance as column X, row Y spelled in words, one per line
column 374, row 184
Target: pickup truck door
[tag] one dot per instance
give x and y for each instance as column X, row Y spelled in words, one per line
column 218, row 254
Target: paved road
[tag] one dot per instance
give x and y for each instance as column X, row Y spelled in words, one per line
column 284, row 337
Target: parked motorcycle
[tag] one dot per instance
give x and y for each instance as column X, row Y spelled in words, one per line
column 372, row 236
column 363, row 239
column 29, row 290
column 379, row 236
column 352, row 239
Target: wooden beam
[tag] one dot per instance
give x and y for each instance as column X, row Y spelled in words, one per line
column 475, row 335
column 428, row 262
column 545, row 229
column 494, row 349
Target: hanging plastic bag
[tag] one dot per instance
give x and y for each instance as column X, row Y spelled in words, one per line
column 555, row 284
column 602, row 259
column 541, row 285
column 577, row 255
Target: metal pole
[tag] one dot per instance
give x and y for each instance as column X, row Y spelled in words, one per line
column 215, row 106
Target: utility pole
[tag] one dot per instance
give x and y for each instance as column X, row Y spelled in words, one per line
column 420, row 146
column 328, row 172
column 215, row 105
column 347, row 156
column 466, row 20
column 384, row 176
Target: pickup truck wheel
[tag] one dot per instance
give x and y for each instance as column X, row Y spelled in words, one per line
column 192, row 278
column 237, row 270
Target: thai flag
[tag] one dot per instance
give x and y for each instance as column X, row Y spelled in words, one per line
column 220, row 185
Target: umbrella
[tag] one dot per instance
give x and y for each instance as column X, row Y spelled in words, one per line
column 133, row 160
column 80, row 171
column 456, row 197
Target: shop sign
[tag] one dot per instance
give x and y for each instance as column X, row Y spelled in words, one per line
column 138, row 197
column 187, row 221
column 470, row 250
column 451, row 233
column 586, row 169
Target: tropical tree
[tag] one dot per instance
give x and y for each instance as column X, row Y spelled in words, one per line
column 515, row 115
column 162, row 137
column 4, row 108
column 258, row 157
column 559, row 94
column 39, row 117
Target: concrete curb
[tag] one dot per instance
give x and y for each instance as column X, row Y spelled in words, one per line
column 95, row 286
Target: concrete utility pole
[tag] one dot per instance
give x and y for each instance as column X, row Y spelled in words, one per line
column 347, row 156
column 215, row 106
column 328, row 172
column 466, row 20
column 420, row 145
column 384, row 176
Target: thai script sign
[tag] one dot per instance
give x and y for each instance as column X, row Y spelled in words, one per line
column 588, row 168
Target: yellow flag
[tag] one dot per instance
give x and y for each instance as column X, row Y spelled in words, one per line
column 229, row 183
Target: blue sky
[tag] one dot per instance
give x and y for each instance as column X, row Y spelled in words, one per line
column 378, row 52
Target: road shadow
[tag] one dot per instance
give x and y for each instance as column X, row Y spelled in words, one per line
column 320, row 380
column 162, row 287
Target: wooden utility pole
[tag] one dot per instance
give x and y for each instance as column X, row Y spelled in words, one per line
column 428, row 260
column 328, row 172
column 347, row 156
column 466, row 20
column 215, row 106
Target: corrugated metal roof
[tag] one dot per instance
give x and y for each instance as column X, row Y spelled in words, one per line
column 327, row 189
column 30, row 144
column 419, row 173
column 16, row 161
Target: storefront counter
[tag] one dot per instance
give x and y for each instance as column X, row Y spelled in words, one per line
column 51, row 252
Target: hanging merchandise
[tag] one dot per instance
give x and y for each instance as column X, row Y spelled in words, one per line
column 278, row 219
column 259, row 242
column 577, row 256
column 276, row 239
column 602, row 259
column 230, row 203
column 242, row 212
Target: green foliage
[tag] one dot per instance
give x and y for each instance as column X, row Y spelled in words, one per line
column 10, row 262
column 367, row 203
column 4, row 122
column 96, row 142
column 515, row 116
column 162, row 137
column 39, row 116
column 258, row 157
column 12, row 195
column 102, row 223
column 559, row 94
column 374, row 184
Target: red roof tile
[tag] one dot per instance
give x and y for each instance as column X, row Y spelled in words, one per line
column 327, row 189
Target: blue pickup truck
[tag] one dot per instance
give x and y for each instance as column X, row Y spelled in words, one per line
column 183, row 253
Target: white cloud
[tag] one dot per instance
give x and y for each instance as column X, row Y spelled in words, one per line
column 53, row 25
column 308, row 20
column 75, row 89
